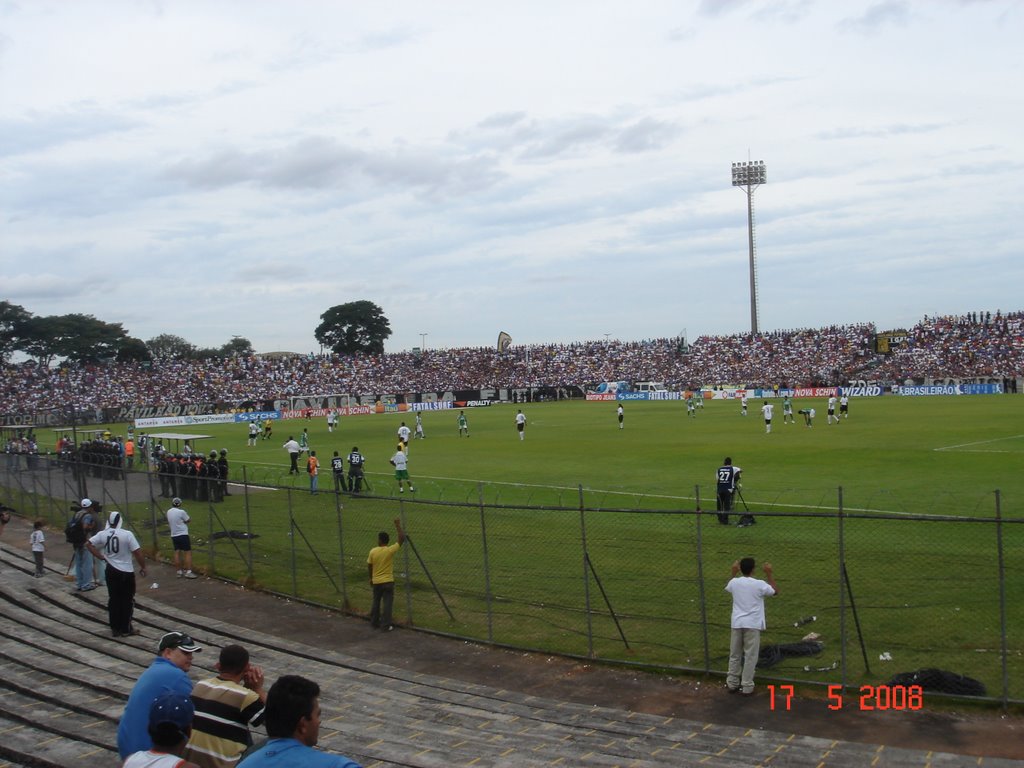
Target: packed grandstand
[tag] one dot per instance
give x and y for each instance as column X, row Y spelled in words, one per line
column 979, row 345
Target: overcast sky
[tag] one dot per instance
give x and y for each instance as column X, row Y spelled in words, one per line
column 556, row 170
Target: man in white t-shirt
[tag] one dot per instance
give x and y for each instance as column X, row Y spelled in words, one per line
column 767, row 409
column 748, row 619
column 178, row 519
column 521, row 425
column 118, row 547
column 403, row 436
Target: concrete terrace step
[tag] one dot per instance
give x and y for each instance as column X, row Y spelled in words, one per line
column 64, row 680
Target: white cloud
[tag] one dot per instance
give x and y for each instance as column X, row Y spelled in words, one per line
column 556, row 170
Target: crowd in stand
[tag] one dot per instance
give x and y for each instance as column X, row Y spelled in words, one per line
column 975, row 345
column 979, row 345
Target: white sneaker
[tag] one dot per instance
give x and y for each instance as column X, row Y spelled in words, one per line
column 180, row 573
column 190, row 575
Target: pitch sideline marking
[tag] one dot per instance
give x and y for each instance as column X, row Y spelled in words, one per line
column 651, row 495
column 979, row 442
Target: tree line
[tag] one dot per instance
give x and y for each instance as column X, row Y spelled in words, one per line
column 351, row 328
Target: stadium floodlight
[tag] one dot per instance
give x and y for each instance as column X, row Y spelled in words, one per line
column 423, row 340
column 748, row 177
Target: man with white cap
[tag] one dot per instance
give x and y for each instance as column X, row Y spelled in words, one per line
column 178, row 520
column 83, row 525
column 167, row 674
column 117, row 547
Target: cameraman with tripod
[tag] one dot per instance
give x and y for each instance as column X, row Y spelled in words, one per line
column 728, row 482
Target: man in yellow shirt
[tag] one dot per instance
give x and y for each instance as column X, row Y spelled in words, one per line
column 379, row 565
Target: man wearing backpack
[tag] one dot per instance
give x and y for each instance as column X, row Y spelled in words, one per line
column 81, row 526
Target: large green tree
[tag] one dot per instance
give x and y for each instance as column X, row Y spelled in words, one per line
column 133, row 349
column 12, row 316
column 358, row 326
column 77, row 337
column 239, row 346
column 167, row 345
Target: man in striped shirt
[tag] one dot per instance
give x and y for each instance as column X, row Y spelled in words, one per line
column 226, row 707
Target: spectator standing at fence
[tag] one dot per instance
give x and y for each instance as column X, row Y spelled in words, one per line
column 119, row 549
column 293, row 725
column 313, row 469
column 129, row 453
column 169, row 727
column 83, row 525
column 748, row 619
column 178, row 520
column 380, row 565
column 37, row 540
column 293, row 450
column 167, row 673
column 226, row 707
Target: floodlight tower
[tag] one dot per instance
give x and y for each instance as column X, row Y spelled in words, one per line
column 748, row 177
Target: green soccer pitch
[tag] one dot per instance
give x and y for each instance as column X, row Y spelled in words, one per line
column 919, row 455
column 926, row 588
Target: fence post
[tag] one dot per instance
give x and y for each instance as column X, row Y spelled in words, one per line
column 700, row 582
column 211, row 512
column 1002, row 601
column 842, row 591
column 487, row 566
column 341, row 553
column 248, row 526
column 291, row 537
column 586, row 578
column 407, row 584
column 152, row 511
column 211, row 545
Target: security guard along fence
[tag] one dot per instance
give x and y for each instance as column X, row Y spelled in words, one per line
column 867, row 600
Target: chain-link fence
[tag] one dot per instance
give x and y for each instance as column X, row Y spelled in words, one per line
column 877, row 594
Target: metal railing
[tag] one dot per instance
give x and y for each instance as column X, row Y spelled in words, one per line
column 883, row 593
